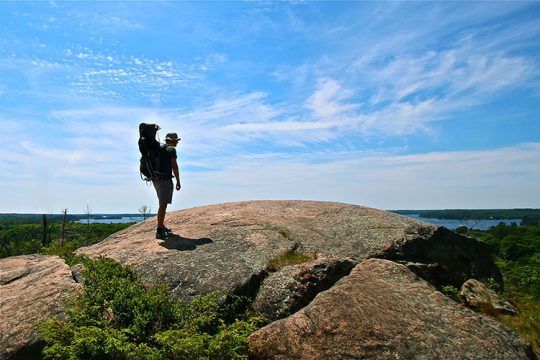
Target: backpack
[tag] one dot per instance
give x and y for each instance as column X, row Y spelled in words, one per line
column 150, row 152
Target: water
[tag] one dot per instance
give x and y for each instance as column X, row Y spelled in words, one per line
column 451, row 224
column 122, row 220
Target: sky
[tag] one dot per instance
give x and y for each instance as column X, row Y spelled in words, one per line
column 391, row 105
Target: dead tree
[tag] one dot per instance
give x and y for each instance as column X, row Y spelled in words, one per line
column 145, row 210
column 88, row 213
column 46, row 239
column 64, row 222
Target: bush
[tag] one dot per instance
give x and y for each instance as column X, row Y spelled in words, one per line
column 116, row 317
column 463, row 230
column 452, row 292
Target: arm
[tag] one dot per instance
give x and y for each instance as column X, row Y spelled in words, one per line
column 176, row 173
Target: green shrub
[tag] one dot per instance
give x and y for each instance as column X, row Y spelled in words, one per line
column 116, row 317
column 452, row 292
column 463, row 230
column 494, row 285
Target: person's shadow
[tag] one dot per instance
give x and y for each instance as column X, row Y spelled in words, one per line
column 177, row 242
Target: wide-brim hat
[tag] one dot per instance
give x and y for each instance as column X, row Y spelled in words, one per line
column 172, row 137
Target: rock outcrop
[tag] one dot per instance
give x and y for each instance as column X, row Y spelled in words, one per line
column 384, row 311
column 476, row 295
column 32, row 288
column 232, row 248
column 228, row 246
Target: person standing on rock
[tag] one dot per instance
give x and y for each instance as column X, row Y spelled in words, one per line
column 168, row 166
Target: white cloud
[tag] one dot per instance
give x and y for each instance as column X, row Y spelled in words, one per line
column 459, row 179
column 409, row 90
column 433, row 180
column 277, row 127
column 328, row 101
column 393, row 79
column 104, row 74
column 451, row 74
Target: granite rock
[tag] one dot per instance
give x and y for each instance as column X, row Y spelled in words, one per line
column 227, row 247
column 477, row 296
column 382, row 310
column 32, row 288
column 291, row 288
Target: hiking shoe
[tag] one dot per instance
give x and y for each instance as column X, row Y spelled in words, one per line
column 161, row 234
column 167, row 230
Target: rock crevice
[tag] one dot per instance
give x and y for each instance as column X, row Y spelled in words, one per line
column 293, row 287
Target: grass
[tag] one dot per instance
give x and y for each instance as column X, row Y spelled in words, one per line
column 527, row 322
column 289, row 258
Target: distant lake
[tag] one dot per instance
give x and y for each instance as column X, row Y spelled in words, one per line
column 451, row 224
column 107, row 220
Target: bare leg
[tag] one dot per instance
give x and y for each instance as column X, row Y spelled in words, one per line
column 161, row 215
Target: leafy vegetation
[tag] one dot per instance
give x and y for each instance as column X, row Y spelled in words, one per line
column 48, row 237
column 451, row 291
column 115, row 317
column 517, row 254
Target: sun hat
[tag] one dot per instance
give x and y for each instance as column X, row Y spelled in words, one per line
column 172, row 137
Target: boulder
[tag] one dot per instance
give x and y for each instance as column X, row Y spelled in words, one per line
column 477, row 296
column 291, row 288
column 382, row 310
column 443, row 257
column 32, row 288
column 228, row 247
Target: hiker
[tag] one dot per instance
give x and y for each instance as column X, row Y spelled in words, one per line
column 164, row 186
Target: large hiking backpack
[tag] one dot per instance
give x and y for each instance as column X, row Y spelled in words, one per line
column 150, row 152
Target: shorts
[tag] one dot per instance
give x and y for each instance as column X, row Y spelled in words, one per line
column 164, row 190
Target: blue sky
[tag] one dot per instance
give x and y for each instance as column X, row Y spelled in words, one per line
column 392, row 105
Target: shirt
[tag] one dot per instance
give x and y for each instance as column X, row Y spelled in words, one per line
column 167, row 153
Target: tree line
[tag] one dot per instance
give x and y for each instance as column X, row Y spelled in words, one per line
column 50, row 236
column 62, row 233
column 526, row 216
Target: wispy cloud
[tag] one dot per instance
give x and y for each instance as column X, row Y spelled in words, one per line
column 391, row 181
column 105, row 74
column 408, row 90
column 451, row 74
column 100, row 75
column 329, row 99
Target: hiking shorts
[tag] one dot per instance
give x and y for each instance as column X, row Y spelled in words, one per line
column 164, row 190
